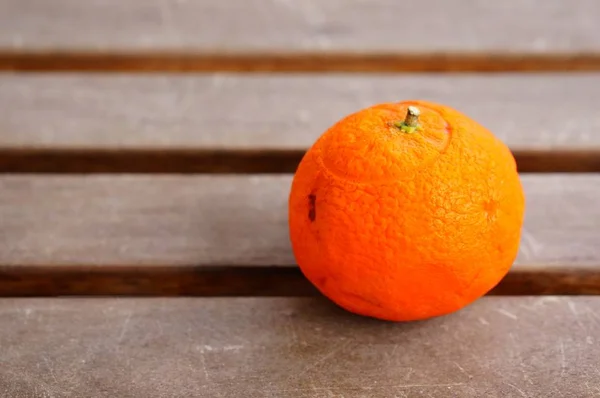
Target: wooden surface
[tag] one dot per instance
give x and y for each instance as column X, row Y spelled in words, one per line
column 203, row 220
column 308, row 35
column 214, row 123
column 208, row 229
column 280, row 25
column 262, row 348
column 228, row 111
column 173, row 235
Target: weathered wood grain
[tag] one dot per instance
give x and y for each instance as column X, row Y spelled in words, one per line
column 268, row 25
column 229, row 123
column 132, row 348
column 299, row 35
column 228, row 235
column 228, row 111
column 231, row 220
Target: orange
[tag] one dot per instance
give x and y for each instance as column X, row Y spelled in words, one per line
column 401, row 216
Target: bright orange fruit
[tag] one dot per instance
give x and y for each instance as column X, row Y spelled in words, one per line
column 401, row 216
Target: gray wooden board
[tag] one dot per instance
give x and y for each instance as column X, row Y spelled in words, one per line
column 241, row 347
column 226, row 26
column 228, row 111
column 234, row 220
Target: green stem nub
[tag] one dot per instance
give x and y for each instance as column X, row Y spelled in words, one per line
column 411, row 122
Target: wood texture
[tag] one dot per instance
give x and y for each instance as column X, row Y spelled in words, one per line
column 271, row 26
column 298, row 348
column 307, row 35
column 92, row 123
column 228, row 235
column 224, row 111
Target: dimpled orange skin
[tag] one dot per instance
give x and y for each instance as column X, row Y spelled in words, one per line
column 406, row 226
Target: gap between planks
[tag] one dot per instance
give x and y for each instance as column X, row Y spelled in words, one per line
column 223, row 161
column 251, row 281
column 291, row 36
column 88, row 123
column 11, row 61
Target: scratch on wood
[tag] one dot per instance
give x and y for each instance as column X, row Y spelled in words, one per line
column 204, row 367
column 368, row 388
column 233, row 347
column 463, row 370
column 50, row 370
column 531, row 247
column 394, row 350
column 507, row 314
column 575, row 313
column 124, row 327
column 516, row 352
column 563, row 362
column 324, row 358
column 525, row 376
column 572, row 307
column 428, row 385
column 539, row 302
column 38, row 384
column 159, row 325
column 518, row 390
column 290, row 326
column 587, row 385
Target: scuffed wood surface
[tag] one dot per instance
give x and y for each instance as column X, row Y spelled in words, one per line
column 86, row 123
column 226, row 111
column 233, row 220
column 299, row 348
column 267, row 26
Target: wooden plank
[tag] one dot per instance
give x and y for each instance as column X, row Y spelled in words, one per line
column 228, row 235
column 258, row 112
column 214, row 123
column 349, row 25
column 307, row 35
column 298, row 348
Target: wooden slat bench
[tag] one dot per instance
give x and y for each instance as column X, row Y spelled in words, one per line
column 224, row 122
column 289, row 35
column 181, row 234
column 296, row 347
column 144, row 249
